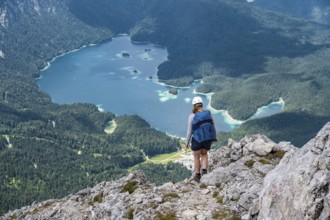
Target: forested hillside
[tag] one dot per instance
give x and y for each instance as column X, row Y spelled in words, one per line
column 314, row 10
column 248, row 57
column 49, row 150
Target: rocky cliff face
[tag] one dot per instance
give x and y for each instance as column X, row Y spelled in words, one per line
column 254, row 178
column 298, row 188
column 13, row 10
column 35, row 31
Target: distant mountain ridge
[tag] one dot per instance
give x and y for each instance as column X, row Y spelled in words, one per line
column 314, row 10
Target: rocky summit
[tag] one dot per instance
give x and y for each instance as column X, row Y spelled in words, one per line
column 254, row 178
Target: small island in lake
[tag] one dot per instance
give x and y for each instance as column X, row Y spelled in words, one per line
column 173, row 91
column 125, row 54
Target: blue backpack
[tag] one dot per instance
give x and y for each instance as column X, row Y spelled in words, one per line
column 202, row 127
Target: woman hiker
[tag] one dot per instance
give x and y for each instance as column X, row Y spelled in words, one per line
column 201, row 133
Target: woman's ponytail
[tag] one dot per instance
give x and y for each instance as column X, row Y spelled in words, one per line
column 197, row 107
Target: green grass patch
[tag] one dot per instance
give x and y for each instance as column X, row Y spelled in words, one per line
column 225, row 213
column 279, row 154
column 220, row 200
column 14, row 183
column 165, row 158
column 264, row 161
column 203, row 186
column 98, row 198
column 167, row 197
column 276, row 155
column 95, row 155
column 161, row 159
column 111, row 127
column 130, row 213
column 249, row 163
column 171, row 215
column 130, row 187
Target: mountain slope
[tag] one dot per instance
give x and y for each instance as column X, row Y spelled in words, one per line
column 314, row 10
column 49, row 150
column 246, row 56
column 243, row 54
column 254, row 178
column 222, row 33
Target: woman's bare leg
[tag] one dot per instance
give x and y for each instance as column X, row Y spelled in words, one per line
column 205, row 159
column 197, row 162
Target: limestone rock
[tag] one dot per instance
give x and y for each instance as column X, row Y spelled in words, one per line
column 188, row 214
column 253, row 178
column 258, row 144
column 298, row 188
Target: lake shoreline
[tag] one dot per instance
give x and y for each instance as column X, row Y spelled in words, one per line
column 48, row 63
column 89, row 74
column 228, row 118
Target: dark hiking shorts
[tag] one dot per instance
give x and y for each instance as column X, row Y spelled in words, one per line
column 198, row 146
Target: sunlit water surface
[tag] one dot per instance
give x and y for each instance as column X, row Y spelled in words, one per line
column 120, row 77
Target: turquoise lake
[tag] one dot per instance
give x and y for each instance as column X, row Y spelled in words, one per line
column 120, row 76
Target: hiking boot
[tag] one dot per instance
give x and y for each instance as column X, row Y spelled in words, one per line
column 197, row 177
column 204, row 171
